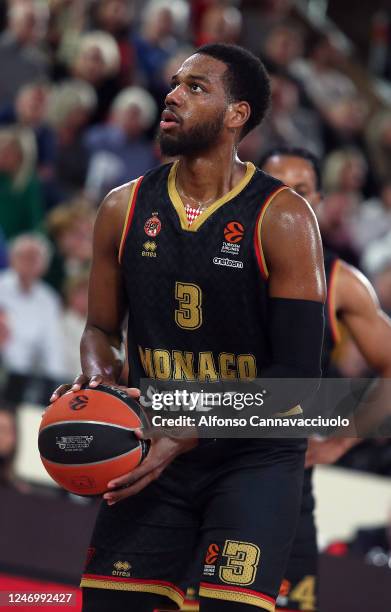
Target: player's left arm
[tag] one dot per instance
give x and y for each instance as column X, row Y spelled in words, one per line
column 293, row 252
column 370, row 328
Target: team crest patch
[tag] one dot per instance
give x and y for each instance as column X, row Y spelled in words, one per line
column 233, row 234
column 152, row 226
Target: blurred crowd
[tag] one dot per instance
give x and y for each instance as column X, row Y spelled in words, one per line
column 82, row 88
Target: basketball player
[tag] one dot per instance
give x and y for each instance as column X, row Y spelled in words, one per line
column 352, row 301
column 220, row 270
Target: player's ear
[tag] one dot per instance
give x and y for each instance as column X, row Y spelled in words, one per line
column 237, row 115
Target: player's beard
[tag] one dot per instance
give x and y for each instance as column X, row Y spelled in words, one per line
column 194, row 141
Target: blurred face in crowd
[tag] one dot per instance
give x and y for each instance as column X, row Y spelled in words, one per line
column 159, row 25
column 284, row 45
column 75, row 242
column 7, row 434
column 31, row 105
column 352, row 175
column 221, row 24
column 297, row 173
column 11, row 156
column 130, row 121
column 113, row 15
column 90, row 65
column 29, row 261
column 195, row 107
column 27, row 21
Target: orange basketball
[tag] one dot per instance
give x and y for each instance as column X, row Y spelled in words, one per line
column 86, row 438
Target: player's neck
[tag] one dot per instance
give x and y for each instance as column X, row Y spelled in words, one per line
column 207, row 178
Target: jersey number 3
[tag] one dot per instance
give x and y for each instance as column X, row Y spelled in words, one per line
column 188, row 315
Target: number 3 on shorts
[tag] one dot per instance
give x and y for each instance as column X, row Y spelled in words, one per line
column 189, row 313
column 242, row 563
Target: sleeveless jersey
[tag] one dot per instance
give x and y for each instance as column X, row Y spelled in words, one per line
column 197, row 294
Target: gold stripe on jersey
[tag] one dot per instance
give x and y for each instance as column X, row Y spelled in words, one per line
column 138, row 586
column 180, row 207
column 237, row 595
column 259, row 228
column 133, row 186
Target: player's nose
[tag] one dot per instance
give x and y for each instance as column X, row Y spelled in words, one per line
column 175, row 96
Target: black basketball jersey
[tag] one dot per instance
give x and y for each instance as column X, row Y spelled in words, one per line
column 197, row 294
column 331, row 331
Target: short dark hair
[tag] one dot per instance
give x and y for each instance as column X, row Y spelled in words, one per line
column 245, row 79
column 300, row 152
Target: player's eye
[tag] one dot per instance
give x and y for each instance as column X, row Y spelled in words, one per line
column 196, row 88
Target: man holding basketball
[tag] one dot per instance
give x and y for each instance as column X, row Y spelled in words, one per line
column 219, row 268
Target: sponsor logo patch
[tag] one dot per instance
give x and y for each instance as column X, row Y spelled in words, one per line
column 121, row 568
column 149, row 249
column 230, row 263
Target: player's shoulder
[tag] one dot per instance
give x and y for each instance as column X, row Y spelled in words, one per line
column 117, row 199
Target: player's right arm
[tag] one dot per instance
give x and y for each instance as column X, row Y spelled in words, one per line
column 101, row 346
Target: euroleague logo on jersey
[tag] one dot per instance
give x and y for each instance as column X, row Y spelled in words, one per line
column 233, row 232
column 152, row 227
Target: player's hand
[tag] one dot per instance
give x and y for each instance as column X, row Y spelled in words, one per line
column 327, row 451
column 91, row 381
column 162, row 452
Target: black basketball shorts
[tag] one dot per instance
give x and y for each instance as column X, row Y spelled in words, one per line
column 226, row 512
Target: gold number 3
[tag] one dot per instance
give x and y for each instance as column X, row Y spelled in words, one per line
column 189, row 313
column 242, row 562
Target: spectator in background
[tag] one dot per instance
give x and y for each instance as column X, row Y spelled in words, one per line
column 261, row 17
column 163, row 23
column 21, row 61
column 95, row 59
column 120, row 151
column 70, row 227
column 21, row 207
column 345, row 170
column 289, row 123
column 321, row 75
column 378, row 138
column 30, row 110
column 373, row 218
column 71, row 106
column 74, row 321
column 115, row 17
column 34, row 344
column 220, row 24
column 282, row 45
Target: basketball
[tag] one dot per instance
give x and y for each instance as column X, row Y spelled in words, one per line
column 86, row 438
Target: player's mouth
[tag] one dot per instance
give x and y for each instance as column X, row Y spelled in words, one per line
column 169, row 120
